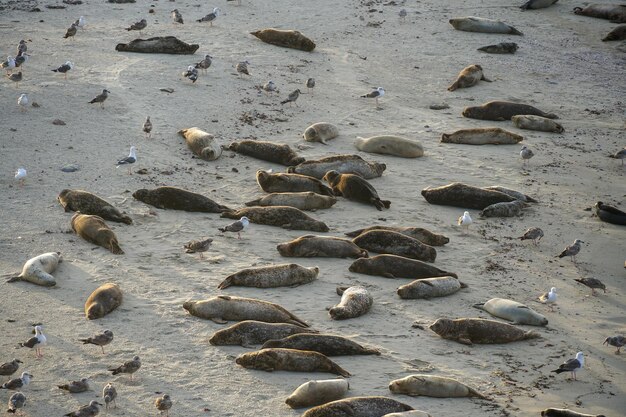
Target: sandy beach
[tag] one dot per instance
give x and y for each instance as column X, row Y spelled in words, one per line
column 561, row 66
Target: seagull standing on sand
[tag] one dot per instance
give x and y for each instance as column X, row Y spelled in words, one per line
column 242, row 68
column 100, row 98
column 141, row 25
column 198, row 246
column 163, row 404
column 526, row 154
column 378, row 93
column 100, row 339
column 63, row 69
column 128, row 367
column 109, row 393
column 572, row 365
column 8, row 65
column 236, row 227
column 147, row 127
column 177, row 17
column 205, row 63
column 549, row 298
column 9, row 368
column 17, row 383
column 16, row 402
column 617, row 341
column 16, row 78
column 211, row 16
column 191, row 73
column 20, row 176
column 90, row 410
column 22, row 102
column 534, row 233
column 310, row 83
column 75, row 387
column 621, row 154
column 21, row 59
column 129, row 160
column 292, row 97
column 71, row 31
column 572, row 250
column 464, row 221
column 38, row 341
column 269, row 86
column 592, row 283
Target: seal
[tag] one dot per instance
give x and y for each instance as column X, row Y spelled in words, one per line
column 355, row 188
column 88, row 203
column 305, row 200
column 158, row 45
column 102, row 301
column 285, row 275
column 282, row 216
column 392, row 266
column 616, row 13
column 423, row 235
column 226, row 308
column 355, row 301
column 390, row 145
column 285, row 38
column 617, row 34
column 465, row 196
column 479, row 24
column 430, row 287
column 432, row 386
column 482, row 136
column 358, row 407
column 325, row 344
column 564, row 412
column 267, row 151
column 511, row 209
column 201, row 143
column 251, row 332
column 318, row 392
column 503, row 110
column 500, row 48
column 320, row 132
column 513, row 311
column 394, row 243
column 610, row 214
column 38, row 270
column 93, row 229
column 512, row 193
column 173, row 198
column 542, row 124
column 537, row 4
column 289, row 360
column 480, row 331
column 468, row 77
column 346, row 164
column 290, row 183
column 310, row 246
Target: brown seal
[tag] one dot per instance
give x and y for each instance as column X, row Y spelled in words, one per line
column 267, row 151
column 482, row 136
column 93, row 229
column 480, row 24
column 346, row 164
column 542, row 124
column 464, row 196
column 102, row 301
column 537, row 4
column 251, row 332
column 564, row 412
column 305, row 200
column 325, row 344
column 500, row 48
column 88, row 203
column 355, row 301
column 358, row 407
column 392, row 266
column 289, row 360
column 430, row 287
column 355, row 188
column 617, row 34
column 226, row 308
column 286, row 275
column 178, row 199
column 423, row 235
column 503, row 110
column 281, row 216
column 510, row 209
column 310, row 246
column 481, row 331
column 394, row 243
column 432, row 386
column 318, row 392
column 158, row 45
column 285, row 38
column 201, row 143
column 469, row 77
column 290, row 183
column 616, row 13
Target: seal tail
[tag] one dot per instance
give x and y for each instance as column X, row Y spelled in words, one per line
column 254, row 202
column 463, row 285
column 364, row 254
column 516, row 32
column 452, row 274
column 525, row 6
column 12, row 278
column 474, row 393
column 550, row 115
column 226, row 283
column 115, row 249
column 531, row 335
column 336, row 369
column 127, row 220
column 479, row 306
column 371, row 351
column 355, row 233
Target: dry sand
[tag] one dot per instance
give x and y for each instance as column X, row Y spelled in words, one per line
column 561, row 67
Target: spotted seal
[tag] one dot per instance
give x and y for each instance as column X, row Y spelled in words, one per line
column 392, row 266
column 285, row 275
column 430, row 287
column 480, row 331
column 276, row 359
column 394, row 243
column 321, row 246
column 38, row 270
column 326, row 344
column 423, row 235
column 251, row 332
column 281, row 216
column 290, row 183
column 88, row 203
column 267, row 151
column 345, row 164
column 355, row 301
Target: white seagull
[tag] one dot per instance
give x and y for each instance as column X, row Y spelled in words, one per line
column 22, row 102
column 236, row 227
column 211, row 16
column 549, row 298
column 20, row 176
column 572, row 365
column 80, row 22
column 9, row 64
column 129, row 160
column 464, row 221
column 378, row 93
column 64, row 68
column 526, row 154
column 38, row 341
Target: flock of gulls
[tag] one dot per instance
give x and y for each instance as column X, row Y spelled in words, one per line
column 351, row 186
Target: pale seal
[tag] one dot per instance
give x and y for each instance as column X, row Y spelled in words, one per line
column 468, row 77
column 479, row 24
column 321, row 246
column 251, row 332
column 355, row 188
column 285, row 275
column 542, row 124
column 320, row 132
column 430, row 287
column 423, row 235
column 390, row 145
column 88, row 203
column 304, row 200
column 503, row 110
column 102, row 301
column 289, row 360
column 201, row 143
column 290, row 183
column 285, row 38
column 267, row 151
column 358, row 407
column 392, row 266
column 173, row 198
column 482, row 136
column 346, row 164
column 38, row 270
column 465, row 196
column 318, row 392
column 325, row 344
column 355, row 301
column 432, row 386
column 480, row 331
column 513, row 311
column 93, row 229
column 510, row 209
column 281, row 216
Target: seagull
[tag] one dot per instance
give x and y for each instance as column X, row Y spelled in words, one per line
column 17, row 383
column 379, row 92
column 242, row 68
column 617, row 341
column 71, row 31
column 109, row 393
column 163, row 404
column 100, row 339
column 21, row 59
column 80, row 22
column 9, row 368
column 269, row 86
column 20, row 176
column 572, row 250
column 205, row 63
column 292, row 97
column 310, row 83
column 90, row 410
column 16, row 401
column 9, row 64
column 37, row 342
column 211, row 16
column 22, row 47
column 16, row 77
column 64, row 68
column 141, row 25
column 549, row 298
column 402, row 14
column 198, row 246
column 526, row 154
column 128, row 367
column 75, row 387
column 592, row 283
column 177, row 17
column 464, row 221
column 572, row 365
column 621, row 154
column 130, row 159
column 191, row 73
column 147, row 127
column 22, row 102
column 236, row 227
column 534, row 233
column 100, row 98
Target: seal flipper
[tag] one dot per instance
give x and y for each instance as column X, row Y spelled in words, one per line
column 479, row 306
column 336, row 369
column 218, row 320
column 12, row 278
column 226, row 283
